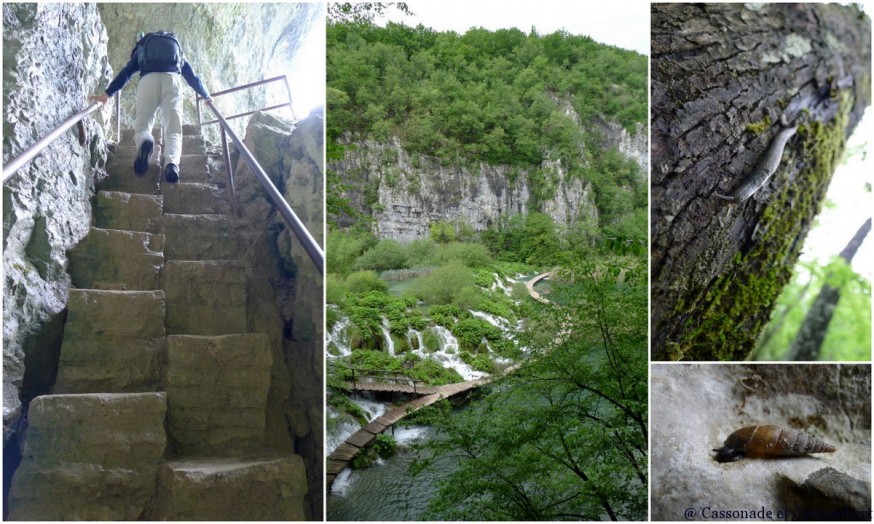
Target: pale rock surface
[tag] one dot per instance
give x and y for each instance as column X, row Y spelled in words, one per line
column 46, row 206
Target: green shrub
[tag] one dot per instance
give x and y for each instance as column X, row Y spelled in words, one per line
column 432, row 373
column 335, row 289
column 344, row 247
column 420, row 252
column 443, row 284
column 431, row 340
column 468, row 253
column 387, row 254
column 364, row 459
column 365, row 281
column 385, row 445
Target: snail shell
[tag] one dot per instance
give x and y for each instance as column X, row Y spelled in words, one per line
column 769, row 441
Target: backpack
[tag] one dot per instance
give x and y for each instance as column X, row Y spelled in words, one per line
column 159, row 52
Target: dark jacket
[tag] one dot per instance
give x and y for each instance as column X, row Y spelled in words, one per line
column 124, row 76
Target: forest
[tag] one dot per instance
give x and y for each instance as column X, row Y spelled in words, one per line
column 501, row 97
column 564, row 435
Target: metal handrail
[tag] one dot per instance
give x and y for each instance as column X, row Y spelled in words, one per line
column 297, row 227
column 14, row 165
column 282, row 78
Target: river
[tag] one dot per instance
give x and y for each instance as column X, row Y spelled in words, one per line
column 386, row 491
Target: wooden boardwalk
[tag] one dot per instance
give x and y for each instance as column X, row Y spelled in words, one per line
column 413, row 389
column 534, row 294
column 345, row 452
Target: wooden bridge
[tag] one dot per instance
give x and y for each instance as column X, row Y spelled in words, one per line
column 345, row 452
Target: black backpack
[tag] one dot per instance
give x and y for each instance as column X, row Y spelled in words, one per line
column 159, row 53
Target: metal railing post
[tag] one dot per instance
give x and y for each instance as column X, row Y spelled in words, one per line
column 288, row 90
column 117, row 117
column 197, row 104
column 230, row 173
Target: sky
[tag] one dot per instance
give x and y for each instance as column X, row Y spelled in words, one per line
column 622, row 23
column 836, row 225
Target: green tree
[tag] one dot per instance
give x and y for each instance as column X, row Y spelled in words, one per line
column 565, row 437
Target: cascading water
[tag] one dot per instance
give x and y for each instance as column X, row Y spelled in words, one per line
column 448, row 357
column 389, row 342
column 338, row 336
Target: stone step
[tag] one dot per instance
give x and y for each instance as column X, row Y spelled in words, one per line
column 194, row 198
column 193, row 144
column 192, row 129
column 221, row 489
column 90, row 457
column 117, row 259
column 114, row 341
column 217, row 392
column 127, row 136
column 131, row 212
column 120, row 167
column 197, row 237
column 194, row 168
column 206, row 297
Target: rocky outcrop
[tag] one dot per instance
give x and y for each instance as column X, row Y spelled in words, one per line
column 289, row 286
column 406, row 192
column 631, row 145
column 54, row 55
column 409, row 192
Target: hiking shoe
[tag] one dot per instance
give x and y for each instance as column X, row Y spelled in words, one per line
column 171, row 172
column 141, row 164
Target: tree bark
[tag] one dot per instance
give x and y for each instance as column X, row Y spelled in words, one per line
column 812, row 332
column 723, row 77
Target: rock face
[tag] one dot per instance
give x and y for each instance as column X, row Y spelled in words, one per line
column 695, row 407
column 407, row 192
column 411, row 192
column 46, row 206
column 289, row 285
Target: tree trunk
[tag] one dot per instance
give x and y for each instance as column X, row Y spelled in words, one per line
column 812, row 331
column 723, row 77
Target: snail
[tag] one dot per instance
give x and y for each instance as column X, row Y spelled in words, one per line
column 769, row 441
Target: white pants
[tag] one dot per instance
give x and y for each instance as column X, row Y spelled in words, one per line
column 162, row 90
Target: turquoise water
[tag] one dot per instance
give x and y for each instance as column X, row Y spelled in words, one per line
column 386, row 491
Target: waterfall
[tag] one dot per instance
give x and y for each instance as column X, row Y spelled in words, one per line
column 389, row 342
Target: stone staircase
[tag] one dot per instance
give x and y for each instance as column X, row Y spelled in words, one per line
column 158, row 411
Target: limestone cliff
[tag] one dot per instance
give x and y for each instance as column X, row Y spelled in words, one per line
column 406, row 192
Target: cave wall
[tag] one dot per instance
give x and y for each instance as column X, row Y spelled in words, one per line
column 218, row 42
column 286, row 289
column 54, row 55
